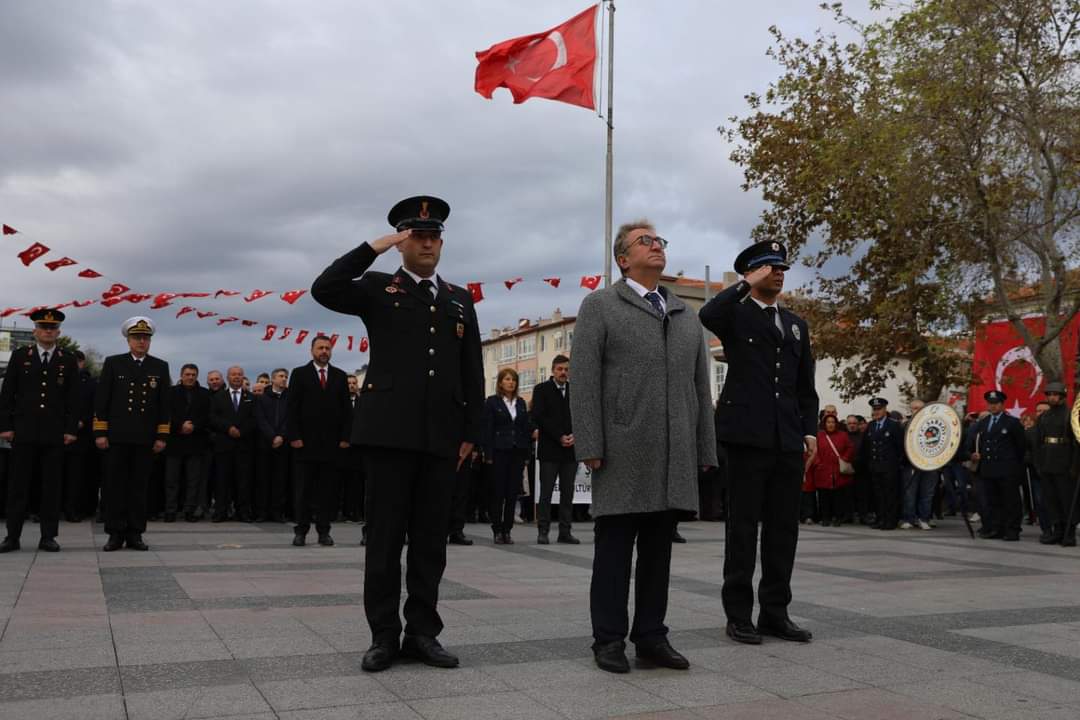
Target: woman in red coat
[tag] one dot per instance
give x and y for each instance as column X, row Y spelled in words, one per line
column 833, row 486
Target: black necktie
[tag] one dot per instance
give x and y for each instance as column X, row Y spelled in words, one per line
column 993, row 419
column 138, row 363
column 45, row 358
column 654, row 299
column 770, row 311
column 427, row 285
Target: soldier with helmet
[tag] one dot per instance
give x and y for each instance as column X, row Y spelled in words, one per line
column 1056, row 453
column 39, row 415
column 131, row 422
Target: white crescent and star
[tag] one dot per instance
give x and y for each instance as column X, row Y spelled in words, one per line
column 560, row 54
column 1020, row 353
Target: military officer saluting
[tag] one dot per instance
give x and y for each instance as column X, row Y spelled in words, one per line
column 883, row 454
column 131, row 422
column 1055, row 452
column 998, row 445
column 39, row 415
column 417, row 418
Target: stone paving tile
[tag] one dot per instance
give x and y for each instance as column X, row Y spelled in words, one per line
column 59, row 684
column 761, row 710
column 598, row 698
column 85, row 707
column 380, row 711
column 323, row 692
column 695, row 687
column 21, row 661
column 196, row 702
column 497, row 706
column 412, row 681
column 980, row 700
column 877, row 704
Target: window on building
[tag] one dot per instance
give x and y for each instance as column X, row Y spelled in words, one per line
column 543, row 374
column 527, row 347
column 558, row 341
column 526, row 380
column 719, row 375
column 569, row 339
column 541, row 343
column 508, row 351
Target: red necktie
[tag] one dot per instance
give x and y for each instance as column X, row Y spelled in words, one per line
column 322, row 377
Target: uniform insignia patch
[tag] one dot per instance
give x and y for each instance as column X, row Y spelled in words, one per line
column 153, row 383
column 461, row 330
column 796, row 332
column 59, row 379
column 391, row 289
column 1004, row 431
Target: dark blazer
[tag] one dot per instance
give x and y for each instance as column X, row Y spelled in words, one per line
column 319, row 417
column 41, row 404
column 193, row 406
column 769, row 392
column 883, row 449
column 87, row 390
column 222, row 417
column 270, row 416
column 1001, row 451
column 424, row 388
column 501, row 432
column 131, row 404
column 551, row 415
column 1054, row 448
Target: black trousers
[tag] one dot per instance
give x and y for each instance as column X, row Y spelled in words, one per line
column 834, row 503
column 1058, row 491
column 186, row 469
column 407, row 492
column 886, row 481
column 24, row 458
column 77, row 478
column 233, row 482
column 315, row 494
column 566, row 473
column 272, row 466
column 506, row 478
column 1003, row 499
column 765, row 488
column 609, row 592
column 352, row 481
column 459, row 504
column 127, row 478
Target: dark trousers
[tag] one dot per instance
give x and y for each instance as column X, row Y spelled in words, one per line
column 834, row 503
column 566, row 473
column 1058, row 492
column 187, row 469
column 127, row 478
column 506, row 486
column 24, row 457
column 206, row 482
column 315, row 494
column 764, row 488
column 1003, row 499
column 233, row 482
column 407, row 492
column 886, row 481
column 459, row 505
column 352, row 481
column 863, row 494
column 609, row 593
column 77, row 478
column 272, row 480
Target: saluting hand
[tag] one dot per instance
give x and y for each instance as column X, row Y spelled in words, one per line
column 388, row 241
column 68, row 439
column 464, row 452
column 102, row 443
column 758, row 275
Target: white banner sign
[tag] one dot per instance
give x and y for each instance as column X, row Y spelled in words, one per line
column 582, row 486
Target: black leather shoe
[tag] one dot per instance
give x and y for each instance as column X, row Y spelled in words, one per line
column 170, row 517
column 326, row 540
column 48, row 545
column 458, row 539
column 379, row 657
column 190, row 517
column 676, row 537
column 611, row 657
column 507, row 540
column 743, row 632
column 783, row 629
column 1011, row 537
column 135, row 542
column 428, row 651
column 363, row 539
column 115, row 543
column 218, row 519
column 9, row 545
column 299, row 540
column 542, row 539
column 568, row 539
column 1068, row 541
column 663, row 655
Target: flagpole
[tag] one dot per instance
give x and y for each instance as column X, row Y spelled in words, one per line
column 610, row 128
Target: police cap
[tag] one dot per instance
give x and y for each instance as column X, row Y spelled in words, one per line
column 768, row 252
column 994, row 396
column 420, row 212
column 878, row 403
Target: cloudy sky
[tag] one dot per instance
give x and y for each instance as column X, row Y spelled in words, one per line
column 203, row 145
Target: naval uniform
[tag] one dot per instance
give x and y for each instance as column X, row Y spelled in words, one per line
column 1001, row 446
column 883, row 455
column 1056, row 453
column 422, row 397
column 131, row 410
column 40, row 403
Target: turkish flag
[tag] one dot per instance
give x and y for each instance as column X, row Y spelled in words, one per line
column 300, row 336
column 363, row 344
column 88, row 273
column 202, row 315
column 55, row 265
column 333, row 340
column 285, row 333
column 32, row 253
column 477, row 291
column 8, row 230
column 185, row 310
column 511, row 283
column 590, row 281
column 226, row 293
column 249, row 323
column 553, row 282
column 83, row 303
column 292, row 296
column 11, row 310
column 115, row 291
column 256, row 294
column 349, row 348
column 558, row 64
column 162, row 300
column 270, row 330
column 222, row 321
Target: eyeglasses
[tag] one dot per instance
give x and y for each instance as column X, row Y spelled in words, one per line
column 651, row 241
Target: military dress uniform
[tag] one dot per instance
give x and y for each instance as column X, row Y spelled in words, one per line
column 883, row 456
column 40, row 403
column 1001, row 445
column 131, row 410
column 1055, row 454
column 422, row 397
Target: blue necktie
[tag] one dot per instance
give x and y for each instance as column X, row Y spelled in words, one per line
column 654, row 298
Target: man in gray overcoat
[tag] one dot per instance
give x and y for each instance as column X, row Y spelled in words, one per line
column 643, row 425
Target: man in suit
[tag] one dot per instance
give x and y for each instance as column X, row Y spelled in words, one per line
column 1056, row 453
column 81, row 461
column 766, row 418
column 417, row 420
column 318, row 421
column 232, row 418
column 131, row 422
column 352, row 467
column 998, row 446
column 39, row 416
column 190, row 409
column 883, row 456
column 643, row 425
column 274, row 459
column 555, row 450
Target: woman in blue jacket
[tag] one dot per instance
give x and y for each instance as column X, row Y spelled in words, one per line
column 507, row 437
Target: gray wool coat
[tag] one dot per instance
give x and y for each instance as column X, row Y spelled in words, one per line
column 641, row 402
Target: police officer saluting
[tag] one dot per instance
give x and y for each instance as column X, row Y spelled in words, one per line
column 417, row 417
column 998, row 445
column 1055, row 453
column 131, row 421
column 39, row 415
column 883, row 454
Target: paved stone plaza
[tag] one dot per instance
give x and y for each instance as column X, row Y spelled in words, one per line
column 231, row 621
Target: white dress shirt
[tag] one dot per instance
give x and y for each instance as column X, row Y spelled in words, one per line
column 642, row 291
column 511, row 405
column 416, row 279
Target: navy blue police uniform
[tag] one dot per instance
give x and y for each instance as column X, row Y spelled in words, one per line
column 1001, row 445
column 883, row 456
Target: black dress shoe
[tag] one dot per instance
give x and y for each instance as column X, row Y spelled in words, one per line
column 325, row 539
column 676, row 537
column 379, row 657
column 363, row 540
column 663, row 655
column 218, row 519
column 170, row 517
column 299, row 540
column 1011, row 537
column 542, row 539
column 1068, row 541
column 190, row 517
column 499, row 538
column 135, row 542
column 458, row 539
column 783, row 629
column 743, row 632
column 507, row 540
column 114, row 543
column 48, row 545
column 611, row 657
column 9, row 545
column 568, row 539
column 428, row 651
